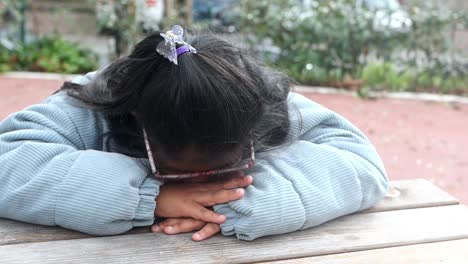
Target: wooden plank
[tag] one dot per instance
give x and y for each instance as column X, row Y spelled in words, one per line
column 408, row 194
column 347, row 234
column 454, row 251
column 13, row 232
column 413, row 194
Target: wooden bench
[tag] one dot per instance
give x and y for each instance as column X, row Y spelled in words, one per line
column 415, row 223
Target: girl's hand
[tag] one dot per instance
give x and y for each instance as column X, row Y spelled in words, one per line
column 176, row 200
column 174, row 226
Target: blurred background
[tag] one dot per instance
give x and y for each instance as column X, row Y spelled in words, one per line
column 361, row 58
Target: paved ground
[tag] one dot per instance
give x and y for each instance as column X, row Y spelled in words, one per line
column 415, row 139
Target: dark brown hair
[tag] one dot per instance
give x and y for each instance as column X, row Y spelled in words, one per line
column 213, row 100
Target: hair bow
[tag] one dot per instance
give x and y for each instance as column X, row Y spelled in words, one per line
column 167, row 48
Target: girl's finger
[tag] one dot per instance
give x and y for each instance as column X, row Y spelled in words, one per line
column 219, row 197
column 169, row 222
column 184, row 225
column 237, row 182
column 207, row 231
column 226, row 184
column 221, row 182
column 156, row 228
column 206, row 215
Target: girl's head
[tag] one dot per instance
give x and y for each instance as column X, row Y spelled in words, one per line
column 199, row 114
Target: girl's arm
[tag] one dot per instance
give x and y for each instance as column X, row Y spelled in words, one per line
column 330, row 170
column 53, row 172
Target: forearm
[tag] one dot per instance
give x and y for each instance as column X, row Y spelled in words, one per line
column 329, row 170
column 50, row 177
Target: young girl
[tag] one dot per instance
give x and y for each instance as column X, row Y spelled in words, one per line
column 169, row 133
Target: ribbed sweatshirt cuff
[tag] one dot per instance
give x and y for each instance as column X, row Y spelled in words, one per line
column 144, row 214
column 228, row 228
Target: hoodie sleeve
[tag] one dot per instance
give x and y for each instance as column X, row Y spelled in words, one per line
column 53, row 172
column 329, row 170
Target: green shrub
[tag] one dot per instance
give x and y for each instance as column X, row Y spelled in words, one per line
column 330, row 35
column 386, row 77
column 335, row 40
column 51, row 54
column 4, row 56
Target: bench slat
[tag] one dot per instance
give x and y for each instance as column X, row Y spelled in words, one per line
column 413, row 194
column 454, row 251
column 347, row 234
column 13, row 232
column 417, row 193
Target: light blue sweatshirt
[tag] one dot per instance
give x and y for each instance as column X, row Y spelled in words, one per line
column 55, row 170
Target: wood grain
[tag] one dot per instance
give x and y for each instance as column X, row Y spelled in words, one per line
column 455, row 251
column 408, row 194
column 347, row 234
column 13, row 232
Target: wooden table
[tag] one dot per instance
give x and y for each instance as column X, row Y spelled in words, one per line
column 416, row 223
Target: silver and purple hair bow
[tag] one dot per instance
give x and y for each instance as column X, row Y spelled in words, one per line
column 168, row 49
